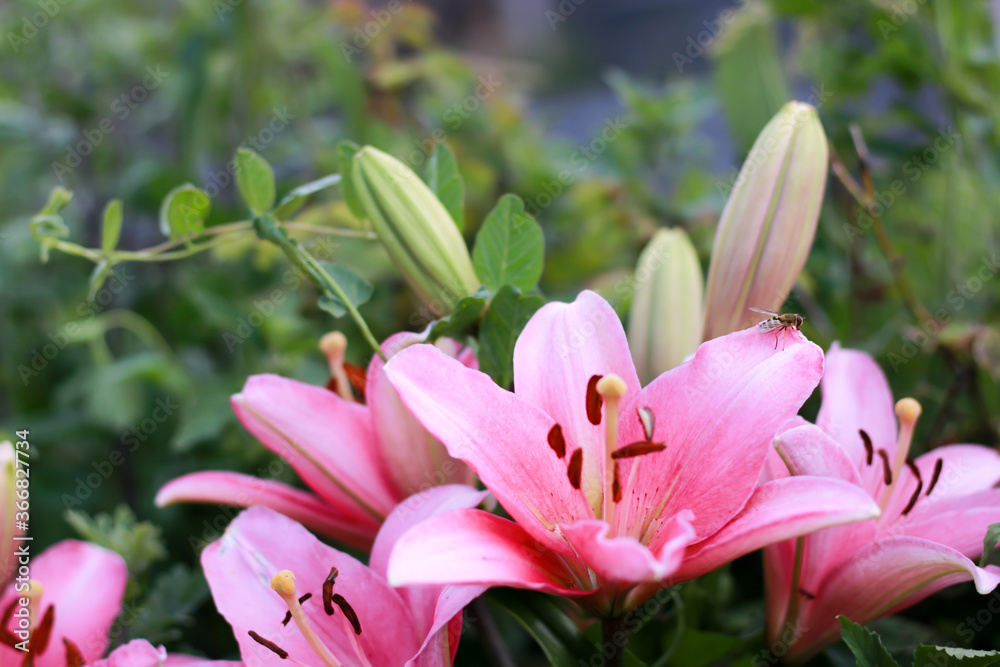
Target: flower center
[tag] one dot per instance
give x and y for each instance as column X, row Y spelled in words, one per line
column 283, row 584
column 908, row 411
column 30, row 633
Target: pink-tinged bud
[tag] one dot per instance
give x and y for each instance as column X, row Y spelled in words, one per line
column 664, row 325
column 769, row 222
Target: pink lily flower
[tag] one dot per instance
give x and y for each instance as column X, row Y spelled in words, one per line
column 359, row 460
column 323, row 607
column 935, row 511
column 614, row 490
column 74, row 592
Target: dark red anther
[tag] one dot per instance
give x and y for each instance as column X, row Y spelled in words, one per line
column 7, row 638
column 911, row 464
column 556, row 441
column 575, row 468
column 268, row 644
column 594, row 400
column 616, row 486
column 914, row 497
column 328, row 591
column 74, row 658
column 886, row 468
column 637, row 449
column 348, row 612
column 869, row 452
column 935, row 476
column 41, row 633
column 288, row 614
column 807, row 594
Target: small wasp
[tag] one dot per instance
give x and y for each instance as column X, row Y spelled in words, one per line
column 779, row 322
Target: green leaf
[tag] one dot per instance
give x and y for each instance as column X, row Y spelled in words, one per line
column 294, row 200
column 97, row 277
column 183, row 211
column 510, row 247
column 556, row 634
column 698, row 649
column 865, row 645
column 442, row 177
column 138, row 542
column 942, row 656
column 58, row 199
column 346, row 151
column 990, row 543
column 356, row 289
column 466, row 313
column 172, row 600
column 111, row 231
column 255, row 179
column 508, row 313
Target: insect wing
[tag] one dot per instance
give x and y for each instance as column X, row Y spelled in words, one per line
column 764, row 312
column 772, row 324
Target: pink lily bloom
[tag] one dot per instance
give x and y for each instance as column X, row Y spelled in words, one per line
column 614, row 490
column 359, row 460
column 935, row 511
column 140, row 653
column 323, row 607
column 74, row 592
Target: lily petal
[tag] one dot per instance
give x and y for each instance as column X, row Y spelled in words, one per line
column 625, row 559
column 258, row 544
column 502, row 437
column 136, row 653
column 86, row 585
column 716, row 428
column 239, row 490
column 560, row 349
column 808, row 450
column 476, row 547
column 964, row 469
column 959, row 522
column 412, row 458
column 328, row 441
column 856, row 396
column 779, row 510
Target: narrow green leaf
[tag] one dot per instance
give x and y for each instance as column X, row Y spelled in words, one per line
column 294, row 200
column 184, row 211
column 442, row 177
column 865, row 645
column 346, row 151
column 942, row 656
column 508, row 313
column 356, row 289
column 466, row 313
column 97, row 277
column 556, row 634
column 510, row 247
column 111, row 231
column 255, row 179
column 990, row 543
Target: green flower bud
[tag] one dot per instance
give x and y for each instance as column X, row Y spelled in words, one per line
column 664, row 325
column 769, row 222
column 415, row 229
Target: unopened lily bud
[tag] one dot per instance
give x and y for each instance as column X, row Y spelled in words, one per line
column 8, row 499
column 415, row 228
column 664, row 325
column 769, row 221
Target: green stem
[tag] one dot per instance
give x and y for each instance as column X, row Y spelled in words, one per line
column 268, row 229
column 611, row 630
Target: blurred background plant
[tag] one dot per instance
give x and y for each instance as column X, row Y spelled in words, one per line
column 610, row 121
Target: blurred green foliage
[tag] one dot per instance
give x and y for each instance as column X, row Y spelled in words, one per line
column 128, row 388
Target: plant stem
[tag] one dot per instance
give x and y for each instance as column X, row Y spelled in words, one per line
column 489, row 634
column 268, row 229
column 610, row 629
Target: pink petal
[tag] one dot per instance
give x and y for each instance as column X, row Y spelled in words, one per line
column 881, row 579
column 239, row 490
column 136, row 653
column 717, row 415
column 476, row 547
column 258, row 544
column 856, row 396
column 560, row 349
column 503, row 438
column 432, row 606
column 178, row 660
column 625, row 559
column 780, row 510
column 328, row 441
column 86, row 585
column 959, row 522
column 413, row 460
column 964, row 469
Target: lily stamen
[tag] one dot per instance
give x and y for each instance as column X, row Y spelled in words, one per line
column 611, row 389
column 283, row 584
column 334, row 346
column 935, row 476
column 907, row 410
column 593, row 400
